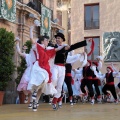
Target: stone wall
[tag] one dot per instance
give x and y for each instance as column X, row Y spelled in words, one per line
column 109, row 21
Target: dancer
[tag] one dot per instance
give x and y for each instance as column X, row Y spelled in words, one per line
column 96, row 82
column 30, row 59
column 40, row 73
column 72, row 59
column 58, row 71
column 117, row 86
column 87, row 74
column 109, row 82
column 77, row 77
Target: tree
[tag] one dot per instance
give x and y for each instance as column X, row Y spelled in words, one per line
column 6, row 57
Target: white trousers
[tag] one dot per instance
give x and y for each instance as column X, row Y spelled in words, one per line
column 58, row 76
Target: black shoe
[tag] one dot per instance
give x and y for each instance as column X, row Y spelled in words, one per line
column 54, row 106
column 30, row 105
column 34, row 107
column 71, row 103
column 37, row 104
column 59, row 106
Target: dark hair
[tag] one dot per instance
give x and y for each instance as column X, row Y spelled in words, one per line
column 41, row 38
column 51, row 44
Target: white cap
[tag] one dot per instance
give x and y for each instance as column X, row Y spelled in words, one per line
column 99, row 57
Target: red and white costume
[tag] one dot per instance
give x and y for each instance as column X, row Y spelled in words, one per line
column 41, row 69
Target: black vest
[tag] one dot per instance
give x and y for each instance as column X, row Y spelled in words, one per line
column 61, row 55
column 109, row 78
column 87, row 72
column 68, row 67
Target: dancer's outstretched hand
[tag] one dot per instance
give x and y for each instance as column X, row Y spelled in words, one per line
column 17, row 39
column 67, row 47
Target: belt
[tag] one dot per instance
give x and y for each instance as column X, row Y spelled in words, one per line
column 60, row 64
column 95, row 78
column 68, row 74
column 90, row 77
column 110, row 83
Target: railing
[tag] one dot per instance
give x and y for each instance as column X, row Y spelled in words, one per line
column 36, row 5
column 93, row 24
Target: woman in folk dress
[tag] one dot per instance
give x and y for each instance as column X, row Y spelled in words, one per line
column 41, row 74
column 30, row 59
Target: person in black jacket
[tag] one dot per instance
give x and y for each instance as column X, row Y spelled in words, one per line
column 87, row 81
column 58, row 71
column 110, row 83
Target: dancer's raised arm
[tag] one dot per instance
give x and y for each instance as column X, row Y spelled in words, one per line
column 31, row 35
column 36, row 23
column 62, row 46
column 18, row 47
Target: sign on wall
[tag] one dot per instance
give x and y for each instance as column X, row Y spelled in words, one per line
column 8, row 10
column 111, row 46
column 45, row 20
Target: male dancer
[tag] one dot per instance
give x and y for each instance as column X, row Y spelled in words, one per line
column 87, row 81
column 109, row 82
column 96, row 82
column 58, row 71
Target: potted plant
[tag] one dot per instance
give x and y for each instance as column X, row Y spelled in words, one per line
column 6, row 60
column 21, row 68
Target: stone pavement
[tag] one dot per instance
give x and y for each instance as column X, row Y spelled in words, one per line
column 108, row 111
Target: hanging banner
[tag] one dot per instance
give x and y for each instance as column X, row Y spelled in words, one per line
column 8, row 10
column 45, row 21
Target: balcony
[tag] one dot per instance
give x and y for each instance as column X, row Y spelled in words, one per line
column 37, row 7
column 91, row 24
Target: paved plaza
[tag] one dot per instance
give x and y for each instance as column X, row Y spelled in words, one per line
column 108, row 111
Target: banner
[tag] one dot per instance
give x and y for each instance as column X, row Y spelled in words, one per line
column 45, row 21
column 8, row 10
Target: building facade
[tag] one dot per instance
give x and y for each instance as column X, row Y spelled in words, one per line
column 26, row 12
column 97, row 19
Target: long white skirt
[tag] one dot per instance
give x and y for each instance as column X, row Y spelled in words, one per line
column 49, row 89
column 38, row 76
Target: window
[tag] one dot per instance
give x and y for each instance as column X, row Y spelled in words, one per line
column 96, row 51
column 38, row 5
column 91, row 16
column 35, row 4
